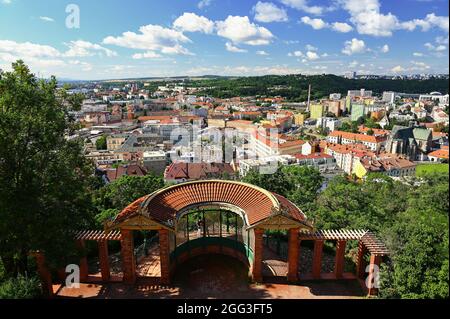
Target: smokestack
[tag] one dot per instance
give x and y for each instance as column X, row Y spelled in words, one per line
column 309, row 99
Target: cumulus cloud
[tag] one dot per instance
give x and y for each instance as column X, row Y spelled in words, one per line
column 262, row 53
column 310, row 55
column 298, row 54
column 190, row 22
column 354, row 46
column 28, row 49
column 269, row 12
column 437, row 48
column 152, row 38
column 82, row 48
column 398, row 69
column 316, row 23
column 241, row 30
column 418, row 54
column 204, row 3
column 341, row 27
column 303, row 5
column 385, row 48
column 231, row 48
column 367, row 17
column 310, row 47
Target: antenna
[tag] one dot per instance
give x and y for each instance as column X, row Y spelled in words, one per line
column 309, row 99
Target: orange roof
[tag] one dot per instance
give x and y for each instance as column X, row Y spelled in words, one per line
column 357, row 137
column 442, row 153
column 257, row 203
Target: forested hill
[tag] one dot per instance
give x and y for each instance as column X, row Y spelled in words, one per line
column 295, row 87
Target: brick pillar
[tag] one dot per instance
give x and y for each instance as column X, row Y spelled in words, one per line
column 128, row 259
column 44, row 274
column 84, row 269
column 104, row 261
column 258, row 255
column 293, row 253
column 373, row 275
column 360, row 262
column 317, row 259
column 164, row 251
column 340, row 258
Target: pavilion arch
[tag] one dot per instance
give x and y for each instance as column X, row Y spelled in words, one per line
column 259, row 210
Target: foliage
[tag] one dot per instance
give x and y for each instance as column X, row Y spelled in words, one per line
column 44, row 178
column 21, row 287
column 115, row 196
column 100, row 143
column 425, row 169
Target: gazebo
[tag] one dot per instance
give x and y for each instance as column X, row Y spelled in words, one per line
column 223, row 217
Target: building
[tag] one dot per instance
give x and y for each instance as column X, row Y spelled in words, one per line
column 373, row 143
column 334, row 107
column 391, row 165
column 358, row 111
column 440, row 156
column 317, row 111
column 329, row 124
column 321, row 161
column 335, row 96
column 412, row 142
column 299, row 119
column 359, row 93
column 115, row 141
column 184, row 172
column 125, row 170
column 435, row 96
column 388, row 97
column 155, row 162
column 265, row 165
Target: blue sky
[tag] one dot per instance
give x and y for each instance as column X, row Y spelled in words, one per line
column 139, row 38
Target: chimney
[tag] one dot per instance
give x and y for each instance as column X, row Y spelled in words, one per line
column 309, row 99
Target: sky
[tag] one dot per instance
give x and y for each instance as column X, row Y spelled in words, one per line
column 110, row 39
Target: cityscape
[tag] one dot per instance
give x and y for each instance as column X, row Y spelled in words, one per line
column 279, row 149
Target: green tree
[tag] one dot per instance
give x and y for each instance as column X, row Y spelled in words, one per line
column 44, row 179
column 114, row 197
column 275, row 182
column 100, row 143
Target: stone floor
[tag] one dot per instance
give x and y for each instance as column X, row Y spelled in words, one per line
column 217, row 276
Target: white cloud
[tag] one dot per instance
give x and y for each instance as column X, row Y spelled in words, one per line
column 304, row 6
column 367, row 17
column 204, row 3
column 241, row 30
column 146, row 55
column 418, row 54
column 316, row 23
column 312, row 55
column 310, row 47
column 341, row 27
column 437, row 48
column 152, row 38
column 442, row 40
column 190, row 22
column 6, row 1
column 47, row 19
column 81, row 48
column 28, row 49
column 269, row 12
column 262, row 53
column 231, row 48
column 354, row 46
column 398, row 69
column 296, row 54
column 385, row 48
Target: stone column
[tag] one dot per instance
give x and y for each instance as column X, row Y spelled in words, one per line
column 258, row 255
column 360, row 262
column 104, row 261
column 317, row 259
column 44, row 274
column 164, row 252
column 372, row 279
column 128, row 259
column 340, row 258
column 84, row 269
column 293, row 253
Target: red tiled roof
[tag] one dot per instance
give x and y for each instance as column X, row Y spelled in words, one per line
column 358, row 137
column 442, row 153
column 258, row 204
column 195, row 171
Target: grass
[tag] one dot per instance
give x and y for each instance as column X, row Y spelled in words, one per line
column 424, row 169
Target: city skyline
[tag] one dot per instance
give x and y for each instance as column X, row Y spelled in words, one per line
column 194, row 38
